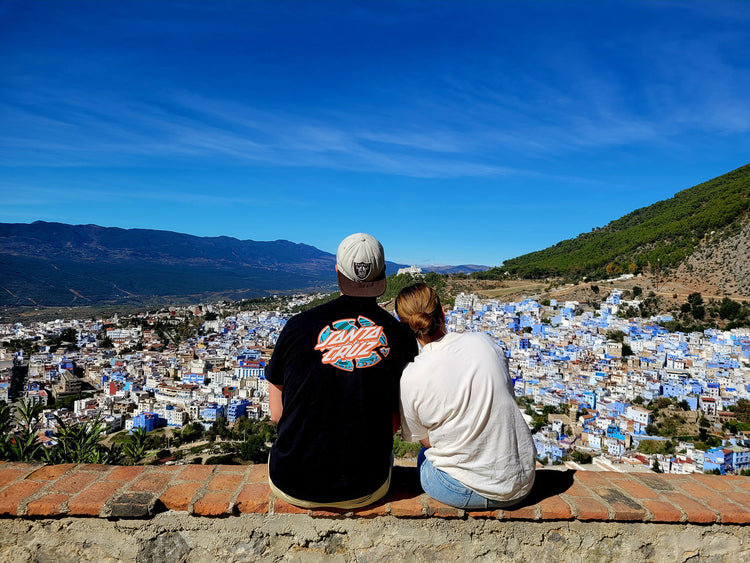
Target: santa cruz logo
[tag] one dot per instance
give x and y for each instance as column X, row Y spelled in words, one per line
column 351, row 343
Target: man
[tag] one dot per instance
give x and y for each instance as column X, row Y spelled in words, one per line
column 334, row 389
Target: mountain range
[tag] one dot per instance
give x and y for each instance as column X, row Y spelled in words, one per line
column 702, row 233
column 58, row 264
column 55, row 264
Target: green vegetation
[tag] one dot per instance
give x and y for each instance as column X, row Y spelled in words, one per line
column 82, row 443
column 397, row 282
column 315, row 302
column 660, row 235
column 405, row 449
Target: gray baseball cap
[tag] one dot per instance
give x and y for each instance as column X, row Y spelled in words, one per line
column 361, row 266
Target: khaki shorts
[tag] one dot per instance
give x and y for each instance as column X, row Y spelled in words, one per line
column 354, row 503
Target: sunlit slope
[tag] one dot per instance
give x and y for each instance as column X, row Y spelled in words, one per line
column 666, row 232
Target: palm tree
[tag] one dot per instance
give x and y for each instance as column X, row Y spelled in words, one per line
column 135, row 447
column 25, row 444
column 80, row 443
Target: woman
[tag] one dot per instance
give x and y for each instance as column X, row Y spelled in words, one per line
column 457, row 400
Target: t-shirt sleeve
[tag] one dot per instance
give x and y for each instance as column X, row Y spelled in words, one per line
column 412, row 429
column 275, row 368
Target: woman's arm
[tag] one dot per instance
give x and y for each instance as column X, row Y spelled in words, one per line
column 274, row 401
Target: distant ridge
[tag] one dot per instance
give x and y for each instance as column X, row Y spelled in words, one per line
column 52, row 264
column 462, row 269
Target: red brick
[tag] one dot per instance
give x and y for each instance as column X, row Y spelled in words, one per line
column 733, row 514
column 379, row 508
column 577, row 490
column 241, row 469
column 11, row 497
column 743, row 499
column 593, row 478
column 636, row 489
column 696, row 512
column 254, row 498
column 178, row 497
column 555, row 508
column 718, row 502
column 662, row 511
column 283, row 507
column 485, row 513
column 74, row 482
column 9, row 475
column 50, row 472
column 741, row 482
column 729, row 511
column 94, row 467
column 171, row 469
column 125, row 473
column 522, row 513
column 715, row 482
column 212, row 504
column 258, row 474
column 195, row 473
column 406, row 505
column 151, row 481
column 48, row 505
column 440, row 510
column 694, row 489
column 625, row 507
column 90, row 501
column 225, row 482
column 590, row 509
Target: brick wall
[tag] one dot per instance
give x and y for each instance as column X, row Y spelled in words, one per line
column 99, row 497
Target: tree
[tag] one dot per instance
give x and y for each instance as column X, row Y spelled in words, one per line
column 25, row 445
column 80, row 443
column 135, row 447
column 742, row 411
column 6, row 423
column 729, row 308
column 655, row 467
column 219, row 427
column 254, row 449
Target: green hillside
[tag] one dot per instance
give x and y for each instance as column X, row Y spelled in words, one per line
column 667, row 232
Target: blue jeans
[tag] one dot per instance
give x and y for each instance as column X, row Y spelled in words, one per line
column 444, row 488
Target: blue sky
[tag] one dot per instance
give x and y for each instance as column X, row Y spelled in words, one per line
column 455, row 132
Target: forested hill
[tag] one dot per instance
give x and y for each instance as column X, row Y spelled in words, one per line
column 668, row 231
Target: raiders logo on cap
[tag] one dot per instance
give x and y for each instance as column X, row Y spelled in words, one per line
column 362, row 270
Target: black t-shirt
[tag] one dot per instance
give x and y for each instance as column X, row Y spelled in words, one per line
column 340, row 365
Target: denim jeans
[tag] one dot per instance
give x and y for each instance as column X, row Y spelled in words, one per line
column 444, row 488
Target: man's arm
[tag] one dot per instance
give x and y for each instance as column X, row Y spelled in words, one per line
column 274, row 401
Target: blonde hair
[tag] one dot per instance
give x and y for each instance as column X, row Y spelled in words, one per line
column 419, row 307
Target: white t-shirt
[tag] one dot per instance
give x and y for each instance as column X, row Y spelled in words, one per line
column 458, row 394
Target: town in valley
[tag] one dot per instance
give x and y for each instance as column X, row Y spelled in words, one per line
column 602, row 389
